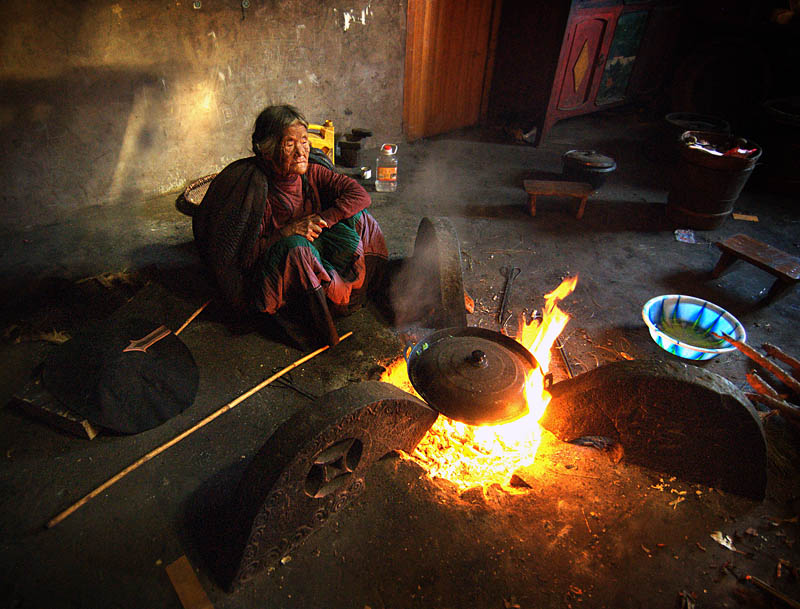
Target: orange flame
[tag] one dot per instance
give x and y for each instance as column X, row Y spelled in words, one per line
column 471, row 456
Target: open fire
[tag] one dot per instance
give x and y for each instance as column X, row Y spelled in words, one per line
column 480, row 456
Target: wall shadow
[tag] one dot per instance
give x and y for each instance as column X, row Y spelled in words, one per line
column 61, row 140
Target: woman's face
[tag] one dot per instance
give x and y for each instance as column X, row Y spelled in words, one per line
column 293, row 151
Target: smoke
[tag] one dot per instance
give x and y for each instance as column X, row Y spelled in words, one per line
column 429, row 287
column 448, row 178
column 414, row 291
column 438, row 183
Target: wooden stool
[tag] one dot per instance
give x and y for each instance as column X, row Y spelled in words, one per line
column 776, row 262
column 557, row 188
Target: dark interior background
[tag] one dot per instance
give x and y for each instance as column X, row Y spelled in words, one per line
column 108, row 104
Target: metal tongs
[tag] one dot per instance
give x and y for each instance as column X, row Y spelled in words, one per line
column 510, row 273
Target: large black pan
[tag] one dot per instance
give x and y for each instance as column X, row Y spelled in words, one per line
column 472, row 375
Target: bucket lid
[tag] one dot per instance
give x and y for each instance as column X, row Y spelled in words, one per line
column 472, row 375
column 591, row 159
column 688, row 121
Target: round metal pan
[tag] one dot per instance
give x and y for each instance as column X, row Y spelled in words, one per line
column 472, row 375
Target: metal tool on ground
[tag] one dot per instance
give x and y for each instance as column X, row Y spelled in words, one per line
column 564, row 358
column 559, row 345
column 510, row 273
column 157, row 451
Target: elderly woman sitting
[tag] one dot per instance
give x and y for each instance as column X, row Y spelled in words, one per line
column 285, row 235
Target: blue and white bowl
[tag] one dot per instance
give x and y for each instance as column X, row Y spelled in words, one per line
column 682, row 325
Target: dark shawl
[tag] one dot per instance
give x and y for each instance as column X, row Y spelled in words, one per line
column 227, row 222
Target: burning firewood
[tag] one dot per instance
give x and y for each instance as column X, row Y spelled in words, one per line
column 761, row 386
column 784, row 407
column 765, row 363
column 764, row 392
column 792, row 362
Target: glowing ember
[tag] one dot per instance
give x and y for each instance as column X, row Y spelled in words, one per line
column 471, row 456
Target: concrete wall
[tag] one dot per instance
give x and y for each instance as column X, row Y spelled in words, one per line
column 105, row 102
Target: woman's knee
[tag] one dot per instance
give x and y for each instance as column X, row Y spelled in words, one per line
column 292, row 242
column 292, row 250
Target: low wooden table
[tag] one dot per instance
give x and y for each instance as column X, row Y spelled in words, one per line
column 785, row 267
column 557, row 188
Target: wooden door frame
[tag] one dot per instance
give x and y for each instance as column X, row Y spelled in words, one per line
column 418, row 52
column 488, row 73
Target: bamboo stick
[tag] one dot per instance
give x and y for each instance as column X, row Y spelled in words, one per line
column 754, row 355
column 773, row 591
column 157, row 451
column 191, row 318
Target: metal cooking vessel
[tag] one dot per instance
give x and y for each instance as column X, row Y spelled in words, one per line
column 472, row 375
column 587, row 166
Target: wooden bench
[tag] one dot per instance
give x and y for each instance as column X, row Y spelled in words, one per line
column 557, row 188
column 784, row 267
column 34, row 400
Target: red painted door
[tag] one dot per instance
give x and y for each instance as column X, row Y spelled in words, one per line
column 580, row 65
column 584, row 61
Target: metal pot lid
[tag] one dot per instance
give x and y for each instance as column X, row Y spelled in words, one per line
column 472, row 375
column 590, row 159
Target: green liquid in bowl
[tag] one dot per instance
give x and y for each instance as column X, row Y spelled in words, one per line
column 690, row 333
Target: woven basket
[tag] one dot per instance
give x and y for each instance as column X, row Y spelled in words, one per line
column 193, row 194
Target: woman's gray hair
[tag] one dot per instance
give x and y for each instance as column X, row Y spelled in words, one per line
column 269, row 128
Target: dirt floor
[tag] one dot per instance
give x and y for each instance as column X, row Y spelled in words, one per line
column 577, row 528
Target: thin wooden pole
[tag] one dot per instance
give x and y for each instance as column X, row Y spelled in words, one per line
column 773, row 591
column 191, row 318
column 157, row 451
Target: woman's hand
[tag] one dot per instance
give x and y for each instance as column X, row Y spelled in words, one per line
column 309, row 227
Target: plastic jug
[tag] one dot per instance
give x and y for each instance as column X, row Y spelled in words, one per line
column 386, row 169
